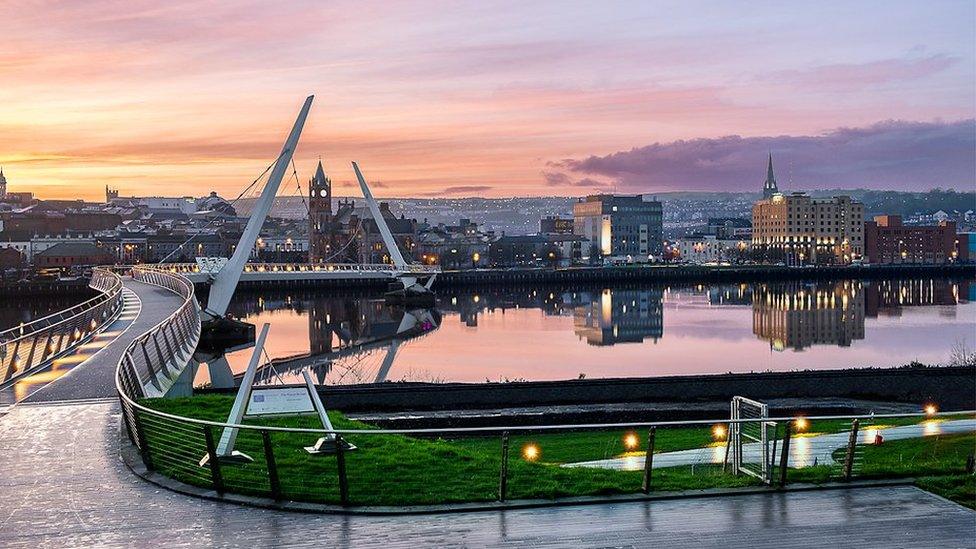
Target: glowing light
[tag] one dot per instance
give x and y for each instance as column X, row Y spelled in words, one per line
column 801, row 424
column 631, row 441
column 931, row 409
column 719, row 432
column 531, row 452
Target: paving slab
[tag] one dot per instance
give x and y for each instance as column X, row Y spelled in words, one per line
column 63, row 485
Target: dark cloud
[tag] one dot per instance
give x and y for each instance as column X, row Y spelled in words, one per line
column 894, row 155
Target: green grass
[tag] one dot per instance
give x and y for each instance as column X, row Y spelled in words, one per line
column 958, row 488
column 402, row 470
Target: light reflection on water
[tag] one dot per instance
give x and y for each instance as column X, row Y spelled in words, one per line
column 499, row 334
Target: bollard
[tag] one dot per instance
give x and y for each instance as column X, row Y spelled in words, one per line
column 648, row 461
column 851, row 445
column 970, row 464
column 503, row 470
column 341, row 466
column 784, row 459
column 213, row 462
column 269, row 458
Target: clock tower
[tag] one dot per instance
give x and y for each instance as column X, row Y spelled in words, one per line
column 319, row 216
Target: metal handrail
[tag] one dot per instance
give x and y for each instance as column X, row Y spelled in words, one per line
column 55, row 335
column 307, row 267
column 183, row 323
column 105, row 293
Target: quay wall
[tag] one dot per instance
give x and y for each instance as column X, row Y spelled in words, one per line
column 950, row 387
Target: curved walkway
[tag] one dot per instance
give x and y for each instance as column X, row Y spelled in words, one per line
column 63, row 485
column 95, row 377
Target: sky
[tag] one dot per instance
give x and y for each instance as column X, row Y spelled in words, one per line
column 489, row 98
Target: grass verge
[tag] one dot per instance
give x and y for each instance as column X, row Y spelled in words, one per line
column 402, row 470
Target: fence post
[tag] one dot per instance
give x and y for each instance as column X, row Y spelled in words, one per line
column 141, row 438
column 649, row 460
column 341, row 466
column 851, row 444
column 213, row 462
column 784, row 460
column 269, row 458
column 503, row 472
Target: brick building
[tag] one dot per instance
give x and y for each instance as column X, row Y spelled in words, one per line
column 887, row 240
column 72, row 254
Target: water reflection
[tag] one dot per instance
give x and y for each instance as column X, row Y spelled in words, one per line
column 501, row 333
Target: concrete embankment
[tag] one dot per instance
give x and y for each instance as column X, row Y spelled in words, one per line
column 951, row 388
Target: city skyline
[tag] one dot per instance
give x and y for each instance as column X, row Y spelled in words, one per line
column 492, row 100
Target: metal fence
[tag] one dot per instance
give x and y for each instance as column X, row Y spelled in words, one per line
column 258, row 267
column 431, row 466
column 31, row 345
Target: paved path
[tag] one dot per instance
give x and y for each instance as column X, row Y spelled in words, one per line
column 63, row 485
column 95, row 377
column 804, row 450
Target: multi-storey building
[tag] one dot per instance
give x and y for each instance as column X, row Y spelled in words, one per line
column 801, row 229
column 617, row 225
column 886, row 240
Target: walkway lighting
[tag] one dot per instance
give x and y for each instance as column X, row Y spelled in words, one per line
column 801, row 424
column 719, row 432
column 631, row 441
column 531, row 452
column 931, row 409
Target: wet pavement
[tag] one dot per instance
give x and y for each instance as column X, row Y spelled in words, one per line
column 94, row 376
column 64, row 486
column 804, row 450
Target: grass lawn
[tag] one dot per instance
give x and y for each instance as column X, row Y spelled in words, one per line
column 402, row 470
column 958, row 488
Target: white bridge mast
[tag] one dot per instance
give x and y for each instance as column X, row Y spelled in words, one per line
column 409, row 282
column 225, row 281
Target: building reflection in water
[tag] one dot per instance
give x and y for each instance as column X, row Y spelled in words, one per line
column 797, row 315
column 556, row 332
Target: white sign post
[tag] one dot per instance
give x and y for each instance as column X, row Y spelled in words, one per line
column 225, row 448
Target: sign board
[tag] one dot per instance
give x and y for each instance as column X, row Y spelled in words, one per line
column 279, row 400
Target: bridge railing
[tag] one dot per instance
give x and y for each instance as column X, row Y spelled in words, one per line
column 192, row 268
column 153, row 361
column 33, row 344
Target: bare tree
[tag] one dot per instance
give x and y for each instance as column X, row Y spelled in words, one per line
column 961, row 354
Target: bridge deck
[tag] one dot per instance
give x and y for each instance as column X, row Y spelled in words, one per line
column 95, row 377
column 64, row 486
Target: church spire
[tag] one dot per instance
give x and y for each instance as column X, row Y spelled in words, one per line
column 769, row 187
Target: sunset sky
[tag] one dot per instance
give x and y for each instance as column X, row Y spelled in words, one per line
column 487, row 98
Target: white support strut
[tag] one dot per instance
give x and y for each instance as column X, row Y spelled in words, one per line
column 374, row 208
column 225, row 282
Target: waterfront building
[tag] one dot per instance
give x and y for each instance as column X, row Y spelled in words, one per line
column 798, row 315
column 461, row 246
column 557, row 250
column 887, row 240
column 618, row 225
column 72, row 254
column 707, row 248
column 770, row 188
column 799, row 229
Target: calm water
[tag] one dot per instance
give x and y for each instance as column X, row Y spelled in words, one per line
column 566, row 333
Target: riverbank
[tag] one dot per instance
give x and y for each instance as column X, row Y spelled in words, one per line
column 950, row 387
